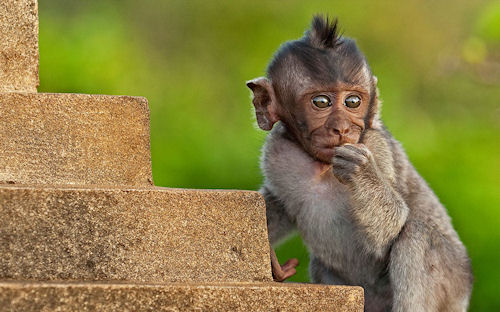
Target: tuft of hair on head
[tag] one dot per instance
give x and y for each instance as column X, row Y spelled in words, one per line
column 324, row 33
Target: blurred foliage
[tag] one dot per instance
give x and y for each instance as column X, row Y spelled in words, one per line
column 438, row 66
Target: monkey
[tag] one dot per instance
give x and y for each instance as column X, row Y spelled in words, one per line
column 333, row 172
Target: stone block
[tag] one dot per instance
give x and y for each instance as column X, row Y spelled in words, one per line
column 152, row 235
column 18, row 296
column 74, row 139
column 18, row 45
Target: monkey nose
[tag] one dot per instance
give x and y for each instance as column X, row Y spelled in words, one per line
column 338, row 125
column 342, row 131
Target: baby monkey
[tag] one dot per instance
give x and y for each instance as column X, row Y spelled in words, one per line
column 333, row 172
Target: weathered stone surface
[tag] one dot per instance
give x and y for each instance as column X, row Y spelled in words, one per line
column 19, row 45
column 152, row 235
column 75, row 139
column 18, row 296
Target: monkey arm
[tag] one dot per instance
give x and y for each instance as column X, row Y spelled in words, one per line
column 279, row 224
column 377, row 208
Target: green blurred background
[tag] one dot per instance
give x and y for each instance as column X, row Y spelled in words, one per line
column 437, row 62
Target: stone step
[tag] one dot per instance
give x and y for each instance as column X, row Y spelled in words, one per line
column 25, row 296
column 74, row 139
column 152, row 235
column 18, row 45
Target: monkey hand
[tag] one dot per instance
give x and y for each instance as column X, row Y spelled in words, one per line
column 282, row 272
column 352, row 162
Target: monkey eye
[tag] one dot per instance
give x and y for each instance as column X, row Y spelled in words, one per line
column 352, row 101
column 321, row 101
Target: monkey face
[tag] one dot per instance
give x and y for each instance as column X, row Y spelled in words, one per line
column 329, row 117
column 319, row 116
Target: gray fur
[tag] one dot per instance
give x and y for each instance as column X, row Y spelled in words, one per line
column 370, row 220
column 381, row 227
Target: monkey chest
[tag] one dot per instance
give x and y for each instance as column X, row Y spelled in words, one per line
column 323, row 218
column 322, row 212
column 312, row 196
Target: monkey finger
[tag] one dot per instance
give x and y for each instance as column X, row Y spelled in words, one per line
column 351, row 153
column 344, row 170
column 289, row 273
column 283, row 275
column 290, row 264
column 358, row 147
column 361, row 149
column 339, row 163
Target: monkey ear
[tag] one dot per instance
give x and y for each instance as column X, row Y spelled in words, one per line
column 264, row 101
column 373, row 118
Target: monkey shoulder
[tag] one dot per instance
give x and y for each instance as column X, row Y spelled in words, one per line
column 283, row 157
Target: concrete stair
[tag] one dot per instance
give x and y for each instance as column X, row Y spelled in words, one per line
column 74, row 139
column 27, row 296
column 148, row 235
column 84, row 228
column 18, row 45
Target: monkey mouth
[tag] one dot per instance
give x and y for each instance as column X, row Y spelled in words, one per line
column 323, row 149
column 325, row 154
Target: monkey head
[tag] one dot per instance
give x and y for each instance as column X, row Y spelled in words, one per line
column 321, row 88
